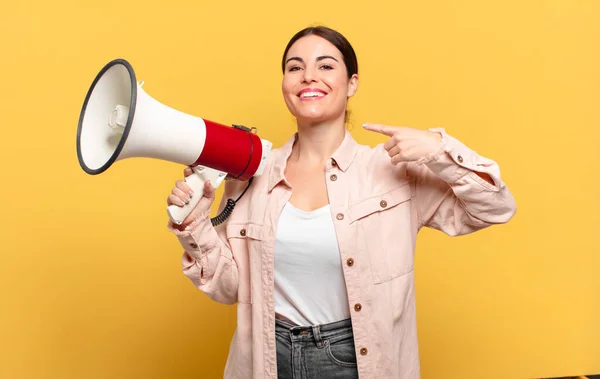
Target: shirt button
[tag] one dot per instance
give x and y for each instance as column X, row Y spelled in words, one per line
column 350, row 262
column 364, row 351
column 243, row 232
column 340, row 216
column 383, row 203
column 333, row 177
column 460, row 159
column 357, row 307
column 194, row 245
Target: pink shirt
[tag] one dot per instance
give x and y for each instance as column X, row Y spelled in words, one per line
column 378, row 209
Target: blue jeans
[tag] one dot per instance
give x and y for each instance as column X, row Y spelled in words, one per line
column 315, row 352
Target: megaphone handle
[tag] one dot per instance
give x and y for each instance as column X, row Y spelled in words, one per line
column 196, row 182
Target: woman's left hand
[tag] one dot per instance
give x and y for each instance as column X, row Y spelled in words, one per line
column 407, row 144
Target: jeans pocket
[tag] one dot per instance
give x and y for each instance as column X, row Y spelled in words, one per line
column 341, row 352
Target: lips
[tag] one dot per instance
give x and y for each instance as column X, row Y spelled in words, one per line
column 311, row 94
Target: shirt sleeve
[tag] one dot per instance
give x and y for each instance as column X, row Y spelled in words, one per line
column 207, row 258
column 451, row 197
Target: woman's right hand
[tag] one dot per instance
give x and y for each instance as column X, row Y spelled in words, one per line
column 181, row 195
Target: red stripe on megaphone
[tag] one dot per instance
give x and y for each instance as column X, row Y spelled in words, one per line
column 234, row 151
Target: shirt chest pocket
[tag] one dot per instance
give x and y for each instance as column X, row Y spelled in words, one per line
column 246, row 240
column 383, row 224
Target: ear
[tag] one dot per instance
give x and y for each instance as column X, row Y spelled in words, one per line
column 352, row 85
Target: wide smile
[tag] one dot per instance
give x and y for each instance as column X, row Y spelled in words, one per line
column 311, row 94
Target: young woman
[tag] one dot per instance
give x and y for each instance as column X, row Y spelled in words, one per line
column 318, row 254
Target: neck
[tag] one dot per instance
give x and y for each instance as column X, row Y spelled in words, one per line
column 316, row 142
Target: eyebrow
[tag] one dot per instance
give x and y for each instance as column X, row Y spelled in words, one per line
column 318, row 58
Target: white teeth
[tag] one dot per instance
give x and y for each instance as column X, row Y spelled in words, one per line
column 312, row 94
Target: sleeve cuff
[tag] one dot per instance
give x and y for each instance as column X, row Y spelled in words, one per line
column 442, row 149
column 197, row 237
column 453, row 161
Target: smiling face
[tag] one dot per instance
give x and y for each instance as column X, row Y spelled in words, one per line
column 315, row 83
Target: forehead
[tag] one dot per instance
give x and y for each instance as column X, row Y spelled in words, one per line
column 311, row 47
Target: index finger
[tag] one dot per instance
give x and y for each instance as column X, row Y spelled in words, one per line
column 379, row 128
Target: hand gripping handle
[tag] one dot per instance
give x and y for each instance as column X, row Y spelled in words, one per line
column 196, row 182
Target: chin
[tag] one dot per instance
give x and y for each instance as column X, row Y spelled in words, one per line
column 315, row 115
column 313, row 118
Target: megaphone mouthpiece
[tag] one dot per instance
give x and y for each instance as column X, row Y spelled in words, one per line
column 118, row 117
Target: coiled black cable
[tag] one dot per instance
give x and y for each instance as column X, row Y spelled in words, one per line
column 228, row 207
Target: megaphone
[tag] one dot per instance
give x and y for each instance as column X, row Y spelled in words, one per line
column 119, row 120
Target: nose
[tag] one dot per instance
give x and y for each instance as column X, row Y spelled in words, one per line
column 309, row 75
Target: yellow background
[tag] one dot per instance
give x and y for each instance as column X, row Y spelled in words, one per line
column 90, row 277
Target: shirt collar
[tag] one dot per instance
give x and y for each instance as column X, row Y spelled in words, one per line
column 342, row 157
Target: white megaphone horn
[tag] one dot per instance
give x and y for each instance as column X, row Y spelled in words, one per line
column 120, row 120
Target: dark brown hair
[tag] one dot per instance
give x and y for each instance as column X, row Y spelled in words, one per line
column 335, row 38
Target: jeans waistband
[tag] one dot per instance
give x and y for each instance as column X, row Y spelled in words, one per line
column 317, row 333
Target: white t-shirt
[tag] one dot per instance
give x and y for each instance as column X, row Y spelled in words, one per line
column 309, row 281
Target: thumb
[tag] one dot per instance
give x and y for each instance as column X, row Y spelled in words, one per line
column 209, row 191
column 379, row 128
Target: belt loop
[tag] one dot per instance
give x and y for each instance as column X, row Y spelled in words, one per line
column 316, row 329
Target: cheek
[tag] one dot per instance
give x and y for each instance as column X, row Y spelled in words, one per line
column 341, row 96
column 339, row 84
column 288, row 93
column 287, row 86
